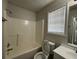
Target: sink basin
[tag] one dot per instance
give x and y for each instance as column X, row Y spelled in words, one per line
column 66, row 52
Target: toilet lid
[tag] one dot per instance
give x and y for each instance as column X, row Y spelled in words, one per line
column 40, row 56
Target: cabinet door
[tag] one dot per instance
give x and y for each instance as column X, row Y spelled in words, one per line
column 56, row 56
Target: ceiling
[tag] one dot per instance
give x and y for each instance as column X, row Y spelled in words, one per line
column 33, row 5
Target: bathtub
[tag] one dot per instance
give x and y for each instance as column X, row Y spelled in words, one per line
column 28, row 54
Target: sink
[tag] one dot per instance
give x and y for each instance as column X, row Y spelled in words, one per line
column 66, row 52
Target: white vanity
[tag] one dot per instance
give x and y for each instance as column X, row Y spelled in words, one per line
column 64, row 52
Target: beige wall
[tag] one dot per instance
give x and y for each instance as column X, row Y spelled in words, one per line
column 4, row 6
column 43, row 14
column 4, row 41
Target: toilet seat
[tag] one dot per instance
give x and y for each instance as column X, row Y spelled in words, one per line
column 40, row 55
column 45, row 50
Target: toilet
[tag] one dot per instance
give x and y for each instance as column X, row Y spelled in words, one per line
column 46, row 47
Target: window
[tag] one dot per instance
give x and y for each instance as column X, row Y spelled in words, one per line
column 56, row 21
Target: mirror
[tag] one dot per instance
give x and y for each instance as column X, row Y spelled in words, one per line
column 56, row 21
column 72, row 25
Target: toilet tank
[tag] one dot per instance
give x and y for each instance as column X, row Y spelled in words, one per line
column 48, row 47
column 45, row 47
column 52, row 47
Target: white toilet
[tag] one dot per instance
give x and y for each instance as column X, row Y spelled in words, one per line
column 45, row 50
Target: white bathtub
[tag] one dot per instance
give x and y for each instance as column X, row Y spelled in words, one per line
column 27, row 54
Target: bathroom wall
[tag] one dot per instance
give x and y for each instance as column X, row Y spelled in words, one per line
column 40, row 31
column 4, row 41
column 4, row 6
column 21, row 28
column 43, row 14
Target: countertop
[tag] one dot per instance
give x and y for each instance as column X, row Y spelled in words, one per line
column 66, row 52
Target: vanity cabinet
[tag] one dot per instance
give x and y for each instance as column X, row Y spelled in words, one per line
column 56, row 56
